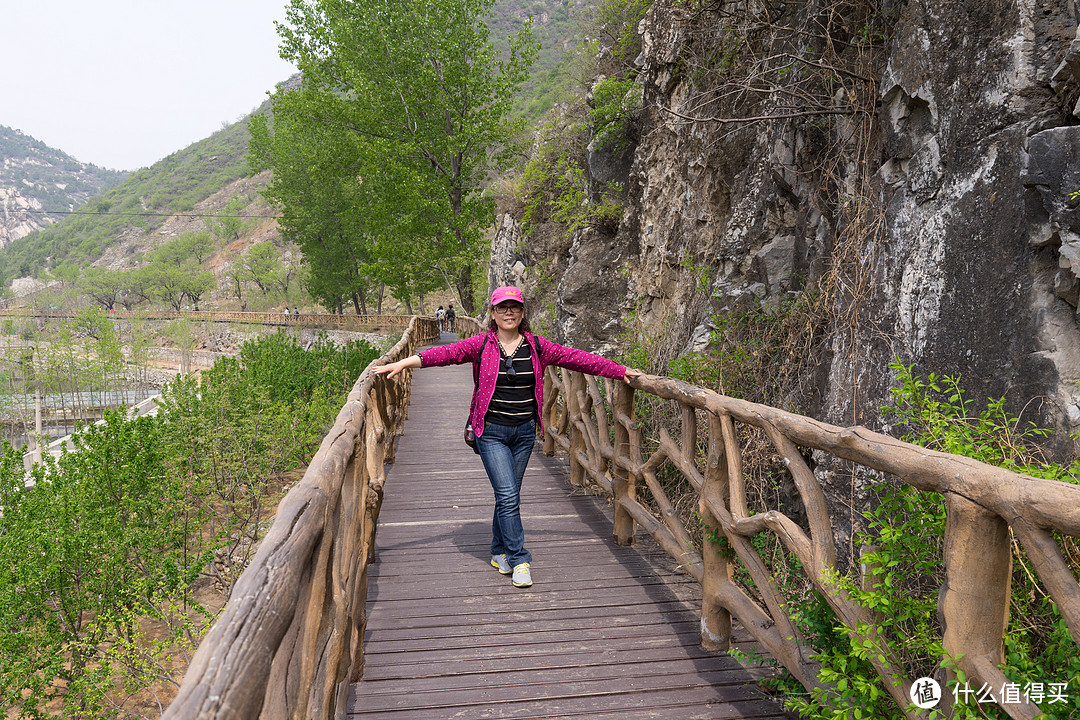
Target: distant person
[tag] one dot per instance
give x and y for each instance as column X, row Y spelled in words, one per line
column 450, row 315
column 440, row 315
column 508, row 367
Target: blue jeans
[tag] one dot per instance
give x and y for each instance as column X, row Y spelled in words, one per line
column 505, row 451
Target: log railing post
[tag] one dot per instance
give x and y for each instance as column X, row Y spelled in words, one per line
column 550, row 409
column 974, row 600
column 572, row 383
column 715, row 617
column 623, row 484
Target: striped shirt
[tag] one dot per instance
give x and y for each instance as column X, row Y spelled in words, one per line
column 514, row 401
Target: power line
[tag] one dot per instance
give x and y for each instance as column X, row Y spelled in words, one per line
column 177, row 214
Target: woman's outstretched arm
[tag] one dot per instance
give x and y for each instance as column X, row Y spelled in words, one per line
column 586, row 362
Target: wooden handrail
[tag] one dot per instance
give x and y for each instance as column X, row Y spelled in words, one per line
column 466, row 326
column 289, row 641
column 983, row 503
column 332, row 320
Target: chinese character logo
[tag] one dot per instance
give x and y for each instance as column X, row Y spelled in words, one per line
column 925, row 693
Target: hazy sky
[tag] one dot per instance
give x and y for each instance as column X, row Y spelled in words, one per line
column 123, row 83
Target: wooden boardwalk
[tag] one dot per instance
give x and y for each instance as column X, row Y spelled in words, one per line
column 599, row 635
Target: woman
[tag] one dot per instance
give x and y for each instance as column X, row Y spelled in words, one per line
column 508, row 370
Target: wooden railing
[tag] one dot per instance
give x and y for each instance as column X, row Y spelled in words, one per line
column 344, row 321
column 289, row 641
column 595, row 425
column 466, row 326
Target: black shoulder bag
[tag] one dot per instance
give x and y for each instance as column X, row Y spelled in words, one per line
column 470, row 436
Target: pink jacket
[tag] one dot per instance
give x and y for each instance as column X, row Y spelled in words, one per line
column 468, row 350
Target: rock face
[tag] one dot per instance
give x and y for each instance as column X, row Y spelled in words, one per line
column 35, row 178
column 18, row 215
column 921, row 181
column 974, row 181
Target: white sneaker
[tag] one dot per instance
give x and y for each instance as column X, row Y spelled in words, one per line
column 499, row 562
column 522, row 577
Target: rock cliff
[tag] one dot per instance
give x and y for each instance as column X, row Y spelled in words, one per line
column 35, row 177
column 907, row 167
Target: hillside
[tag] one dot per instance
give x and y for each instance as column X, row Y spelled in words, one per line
column 557, row 25
column 131, row 243
column 35, row 178
column 127, row 220
column 138, row 205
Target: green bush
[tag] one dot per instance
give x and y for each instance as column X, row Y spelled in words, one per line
column 903, row 541
column 96, row 543
column 613, row 102
column 114, row 533
column 295, row 374
column 554, row 186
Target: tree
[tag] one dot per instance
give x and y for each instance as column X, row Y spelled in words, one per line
column 103, row 286
column 403, row 267
column 188, row 247
column 422, row 84
column 319, row 183
column 96, row 542
column 235, row 276
column 67, row 273
column 199, row 245
column 171, row 283
column 172, row 252
column 228, row 224
column 141, row 283
column 167, row 283
column 197, row 283
column 262, row 266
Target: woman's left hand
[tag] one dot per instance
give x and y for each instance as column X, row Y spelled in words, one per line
column 631, row 373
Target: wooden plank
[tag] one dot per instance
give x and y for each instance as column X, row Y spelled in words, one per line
column 421, row 668
column 547, row 676
column 527, row 687
column 678, row 703
column 599, row 634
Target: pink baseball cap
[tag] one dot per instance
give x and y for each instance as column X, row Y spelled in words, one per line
column 507, row 292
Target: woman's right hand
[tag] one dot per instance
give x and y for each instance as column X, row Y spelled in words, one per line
column 392, row 369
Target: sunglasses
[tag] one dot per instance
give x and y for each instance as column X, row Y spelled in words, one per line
column 508, row 365
column 509, row 309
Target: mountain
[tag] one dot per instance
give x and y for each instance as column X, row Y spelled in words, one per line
column 35, row 177
column 137, row 207
column 184, row 192
column 203, row 191
column 557, row 25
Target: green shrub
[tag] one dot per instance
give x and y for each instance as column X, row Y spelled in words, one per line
column 121, row 528
column 554, row 185
column 613, row 102
column 294, row 374
column 903, row 541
